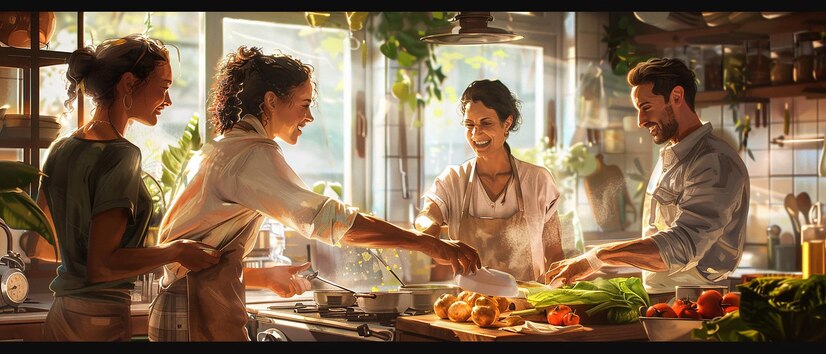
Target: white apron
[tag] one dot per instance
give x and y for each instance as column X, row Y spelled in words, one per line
column 503, row 244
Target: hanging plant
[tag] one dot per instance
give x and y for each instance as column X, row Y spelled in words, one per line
column 621, row 53
column 734, row 83
column 399, row 33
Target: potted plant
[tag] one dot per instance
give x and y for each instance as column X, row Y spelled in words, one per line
column 17, row 209
column 175, row 160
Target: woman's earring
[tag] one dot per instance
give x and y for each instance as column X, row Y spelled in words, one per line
column 127, row 106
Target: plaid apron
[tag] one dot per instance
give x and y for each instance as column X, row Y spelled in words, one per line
column 168, row 314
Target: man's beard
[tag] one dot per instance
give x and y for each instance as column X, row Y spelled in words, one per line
column 667, row 128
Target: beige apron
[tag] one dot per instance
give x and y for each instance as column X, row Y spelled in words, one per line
column 216, row 295
column 503, row 244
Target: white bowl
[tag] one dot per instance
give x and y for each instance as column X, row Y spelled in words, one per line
column 661, row 329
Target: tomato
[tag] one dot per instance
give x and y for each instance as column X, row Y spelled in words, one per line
column 570, row 318
column 660, row 310
column 689, row 312
column 710, row 304
column 730, row 309
column 556, row 314
column 679, row 304
column 731, row 299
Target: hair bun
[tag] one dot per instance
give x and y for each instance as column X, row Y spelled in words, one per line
column 82, row 62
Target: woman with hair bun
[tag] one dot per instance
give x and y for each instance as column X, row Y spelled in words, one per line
column 94, row 196
column 243, row 177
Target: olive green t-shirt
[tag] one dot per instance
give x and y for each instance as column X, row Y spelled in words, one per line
column 84, row 178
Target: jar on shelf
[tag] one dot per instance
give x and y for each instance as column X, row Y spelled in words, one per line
column 734, row 61
column 713, row 67
column 757, row 62
column 804, row 58
column 819, row 47
column 782, row 65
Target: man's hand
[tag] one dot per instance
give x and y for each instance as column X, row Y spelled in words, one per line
column 570, row 270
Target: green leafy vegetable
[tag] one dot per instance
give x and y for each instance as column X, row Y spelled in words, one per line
column 621, row 297
column 774, row 309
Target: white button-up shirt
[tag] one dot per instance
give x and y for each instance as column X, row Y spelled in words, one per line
column 242, row 176
column 696, row 207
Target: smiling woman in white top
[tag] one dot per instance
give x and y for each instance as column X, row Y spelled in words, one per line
column 504, row 207
column 242, row 178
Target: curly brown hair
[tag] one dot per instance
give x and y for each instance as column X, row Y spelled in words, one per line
column 243, row 78
column 97, row 69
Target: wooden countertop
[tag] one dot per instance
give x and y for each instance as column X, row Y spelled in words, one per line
column 430, row 327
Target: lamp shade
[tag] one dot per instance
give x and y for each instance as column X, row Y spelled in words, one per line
column 472, row 30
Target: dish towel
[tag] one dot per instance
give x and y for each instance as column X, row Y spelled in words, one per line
column 530, row 327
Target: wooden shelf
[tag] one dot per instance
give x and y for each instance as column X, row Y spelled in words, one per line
column 23, row 144
column 22, row 58
column 810, row 90
column 736, row 33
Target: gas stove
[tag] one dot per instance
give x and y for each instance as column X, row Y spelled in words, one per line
column 307, row 321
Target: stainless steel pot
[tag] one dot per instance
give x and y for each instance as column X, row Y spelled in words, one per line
column 424, row 295
column 384, row 301
column 333, row 297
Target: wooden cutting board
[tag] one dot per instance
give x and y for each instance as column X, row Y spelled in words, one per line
column 608, row 196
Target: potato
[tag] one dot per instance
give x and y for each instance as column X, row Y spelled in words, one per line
column 503, row 302
column 487, row 301
column 459, row 311
column 443, row 303
column 471, row 300
column 464, row 295
column 484, row 316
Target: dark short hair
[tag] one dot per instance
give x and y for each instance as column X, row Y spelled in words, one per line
column 494, row 95
column 665, row 74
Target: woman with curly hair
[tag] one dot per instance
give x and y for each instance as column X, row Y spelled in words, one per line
column 242, row 178
column 94, row 196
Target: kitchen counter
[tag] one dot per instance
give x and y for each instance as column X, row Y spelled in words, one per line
column 432, row 328
column 28, row 325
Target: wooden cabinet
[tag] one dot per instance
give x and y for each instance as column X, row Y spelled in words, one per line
column 735, row 34
column 29, row 61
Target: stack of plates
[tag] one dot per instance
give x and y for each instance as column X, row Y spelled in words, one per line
column 18, row 126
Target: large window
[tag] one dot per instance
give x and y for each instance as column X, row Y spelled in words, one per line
column 319, row 155
column 518, row 67
column 179, row 30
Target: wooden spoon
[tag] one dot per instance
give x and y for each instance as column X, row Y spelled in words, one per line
column 790, row 203
column 804, row 204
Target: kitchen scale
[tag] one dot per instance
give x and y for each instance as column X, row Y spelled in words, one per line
column 14, row 286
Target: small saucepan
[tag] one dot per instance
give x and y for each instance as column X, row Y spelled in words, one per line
column 333, row 298
column 384, row 301
column 424, row 295
column 369, row 302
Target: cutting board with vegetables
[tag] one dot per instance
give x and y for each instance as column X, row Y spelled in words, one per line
column 608, row 196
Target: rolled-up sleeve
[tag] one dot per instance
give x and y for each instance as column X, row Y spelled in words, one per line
column 264, row 181
column 709, row 202
column 442, row 189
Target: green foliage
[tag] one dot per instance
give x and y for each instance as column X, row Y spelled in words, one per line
column 621, row 53
column 399, row 33
column 775, row 309
column 574, row 161
column 17, row 209
column 175, row 160
column 320, row 186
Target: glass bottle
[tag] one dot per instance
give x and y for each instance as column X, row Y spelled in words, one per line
column 277, row 241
